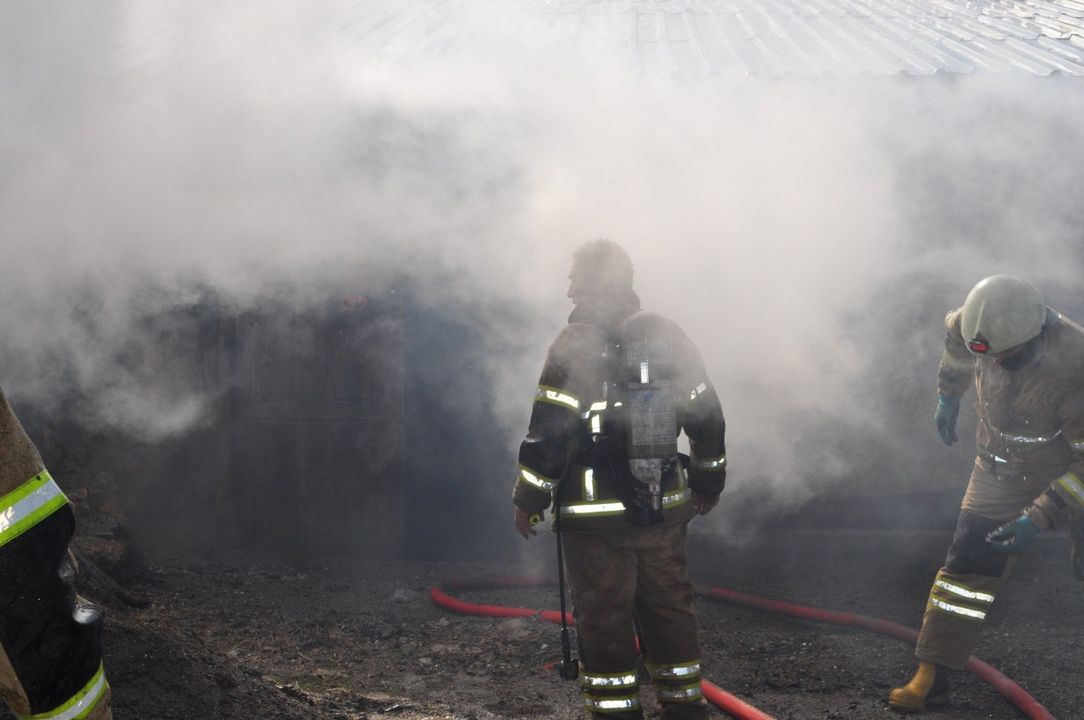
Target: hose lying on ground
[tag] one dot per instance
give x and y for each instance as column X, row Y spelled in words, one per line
column 714, row 694
column 1004, row 685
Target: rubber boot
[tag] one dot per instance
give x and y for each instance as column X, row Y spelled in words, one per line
column 928, row 688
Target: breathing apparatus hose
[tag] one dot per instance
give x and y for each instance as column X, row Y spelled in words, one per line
column 714, row 694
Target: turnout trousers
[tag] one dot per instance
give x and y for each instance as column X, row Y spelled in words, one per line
column 626, row 580
column 974, row 573
column 50, row 641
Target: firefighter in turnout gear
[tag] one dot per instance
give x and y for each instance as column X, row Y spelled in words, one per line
column 1027, row 365
column 617, row 387
column 50, row 641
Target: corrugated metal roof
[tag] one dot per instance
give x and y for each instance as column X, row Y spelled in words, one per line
column 705, row 38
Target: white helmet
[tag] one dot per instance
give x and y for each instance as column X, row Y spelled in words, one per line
column 1001, row 312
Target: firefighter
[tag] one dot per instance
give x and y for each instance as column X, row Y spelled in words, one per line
column 1027, row 364
column 617, row 387
column 50, row 640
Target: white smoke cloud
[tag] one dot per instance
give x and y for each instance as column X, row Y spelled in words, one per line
column 156, row 148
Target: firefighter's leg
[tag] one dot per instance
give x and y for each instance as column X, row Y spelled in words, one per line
column 670, row 633
column 961, row 596
column 602, row 578
column 50, row 642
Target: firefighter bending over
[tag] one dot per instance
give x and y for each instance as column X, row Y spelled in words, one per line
column 618, row 386
column 1027, row 362
column 50, row 649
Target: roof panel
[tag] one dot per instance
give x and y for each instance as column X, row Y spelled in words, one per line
column 701, row 38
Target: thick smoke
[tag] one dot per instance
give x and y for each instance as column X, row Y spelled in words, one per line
column 809, row 234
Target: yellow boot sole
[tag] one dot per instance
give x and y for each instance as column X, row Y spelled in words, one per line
column 902, row 701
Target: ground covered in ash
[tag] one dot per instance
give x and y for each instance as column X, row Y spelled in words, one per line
column 345, row 641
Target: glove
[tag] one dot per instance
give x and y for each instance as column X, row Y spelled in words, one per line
column 525, row 523
column 1013, row 537
column 948, row 409
column 703, row 502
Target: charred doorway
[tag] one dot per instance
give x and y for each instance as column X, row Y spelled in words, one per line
column 316, row 429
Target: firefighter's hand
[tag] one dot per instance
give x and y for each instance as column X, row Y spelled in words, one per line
column 525, row 523
column 704, row 502
column 948, row 409
column 1013, row 537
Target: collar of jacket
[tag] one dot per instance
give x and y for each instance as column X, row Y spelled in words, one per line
column 609, row 313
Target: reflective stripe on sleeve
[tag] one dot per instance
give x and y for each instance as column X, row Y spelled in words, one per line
column 714, row 463
column 544, row 484
column 674, row 672
column 556, row 396
column 1073, row 486
column 698, row 391
column 82, row 703
column 1077, row 445
column 686, row 693
column 609, row 704
column 610, row 680
column 29, row 504
column 957, row 609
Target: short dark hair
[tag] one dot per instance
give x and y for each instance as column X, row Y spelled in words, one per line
column 604, row 262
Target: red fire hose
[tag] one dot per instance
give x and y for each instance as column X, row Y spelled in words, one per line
column 1004, row 685
column 714, row 694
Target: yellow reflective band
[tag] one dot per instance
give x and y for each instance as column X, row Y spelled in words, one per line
column 556, row 396
column 963, row 592
column 670, row 672
column 596, row 424
column 1072, row 484
column 697, row 391
column 589, row 485
column 957, row 609
column 613, row 680
column 631, row 702
column 29, row 504
column 715, row 463
column 82, row 703
column 680, row 694
column 542, row 483
column 598, row 509
column 595, row 508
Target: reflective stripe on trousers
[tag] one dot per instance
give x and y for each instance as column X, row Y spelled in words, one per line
column 609, row 680
column 677, row 683
column 955, row 598
column 29, row 504
column 80, row 705
column 603, row 705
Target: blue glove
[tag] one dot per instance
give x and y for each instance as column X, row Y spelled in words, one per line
column 1013, row 537
column 948, row 409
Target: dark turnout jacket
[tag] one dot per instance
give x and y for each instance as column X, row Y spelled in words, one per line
column 1031, row 419
column 555, row 459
